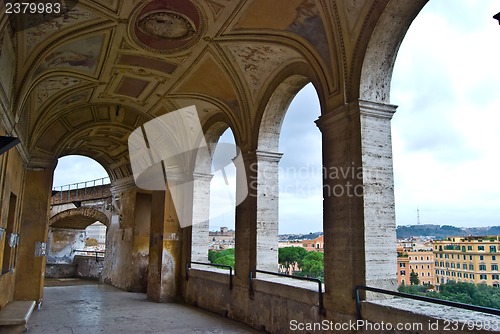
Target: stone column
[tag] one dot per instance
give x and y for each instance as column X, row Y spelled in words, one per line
column 127, row 237
column 359, row 219
column 201, row 215
column 267, row 210
column 165, row 256
column 378, row 180
column 34, row 218
column 246, row 220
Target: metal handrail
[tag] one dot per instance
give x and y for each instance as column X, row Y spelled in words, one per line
column 188, row 266
column 310, row 279
column 91, row 251
column 76, row 186
column 421, row 298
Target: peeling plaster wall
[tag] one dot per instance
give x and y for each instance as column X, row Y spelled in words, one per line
column 127, row 243
column 62, row 244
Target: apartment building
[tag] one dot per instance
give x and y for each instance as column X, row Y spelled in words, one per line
column 418, row 258
column 467, row 259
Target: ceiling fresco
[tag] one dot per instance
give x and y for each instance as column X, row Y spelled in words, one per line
column 82, row 81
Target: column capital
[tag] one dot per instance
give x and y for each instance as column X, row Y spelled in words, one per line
column 354, row 109
column 377, row 109
column 268, row 156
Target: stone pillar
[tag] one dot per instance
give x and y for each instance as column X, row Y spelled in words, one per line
column 267, row 210
column 165, row 256
column 34, row 217
column 358, row 209
column 201, row 215
column 378, row 180
column 127, row 238
column 246, row 220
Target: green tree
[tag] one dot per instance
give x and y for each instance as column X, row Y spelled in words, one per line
column 313, row 265
column 225, row 257
column 289, row 256
column 414, row 278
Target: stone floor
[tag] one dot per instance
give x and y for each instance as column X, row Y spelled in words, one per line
column 96, row 308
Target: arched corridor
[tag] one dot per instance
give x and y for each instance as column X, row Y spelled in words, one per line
column 96, row 81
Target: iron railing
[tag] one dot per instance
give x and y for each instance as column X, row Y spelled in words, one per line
column 421, row 298
column 310, row 279
column 78, row 188
column 91, row 251
column 188, row 266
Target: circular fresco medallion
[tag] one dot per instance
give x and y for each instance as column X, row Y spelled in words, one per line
column 166, row 25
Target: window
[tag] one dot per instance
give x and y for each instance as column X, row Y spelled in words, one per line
column 453, row 274
column 480, row 248
column 427, row 258
column 402, row 265
column 471, row 266
column 421, row 258
column 440, row 256
column 482, row 276
column 447, row 264
column 482, row 267
column 471, row 275
column 469, row 247
column 463, row 248
column 402, row 272
column 493, row 249
column 446, row 256
column 465, row 257
column 458, row 265
column 437, row 264
column 493, row 257
column 494, row 276
column 494, row 267
column 470, row 257
column 481, row 257
column 466, row 275
column 453, row 264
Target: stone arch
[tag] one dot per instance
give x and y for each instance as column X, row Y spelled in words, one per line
column 383, row 45
column 78, row 218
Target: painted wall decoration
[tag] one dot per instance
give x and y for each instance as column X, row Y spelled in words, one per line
column 53, row 85
column 258, row 61
column 39, row 32
column 309, row 25
column 7, row 63
column 81, row 55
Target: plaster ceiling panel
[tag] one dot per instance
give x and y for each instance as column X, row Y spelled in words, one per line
column 82, row 55
column 76, row 16
column 54, row 85
column 79, row 117
column 74, row 98
column 52, row 136
column 132, row 87
column 209, row 79
column 111, row 5
column 261, row 14
column 301, row 17
column 258, row 61
column 215, row 7
column 147, row 62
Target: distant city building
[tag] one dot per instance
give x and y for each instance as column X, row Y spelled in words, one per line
column 316, row 244
column 96, row 231
column 467, row 259
column 415, row 255
column 222, row 239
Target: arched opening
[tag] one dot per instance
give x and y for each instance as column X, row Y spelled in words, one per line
column 221, row 243
column 80, row 212
column 289, row 189
column 445, row 135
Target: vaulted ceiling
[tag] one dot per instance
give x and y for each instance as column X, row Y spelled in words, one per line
column 81, row 82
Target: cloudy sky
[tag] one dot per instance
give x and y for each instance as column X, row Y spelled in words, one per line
column 445, row 132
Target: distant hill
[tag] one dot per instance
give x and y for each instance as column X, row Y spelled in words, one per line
column 309, row 236
column 444, row 231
